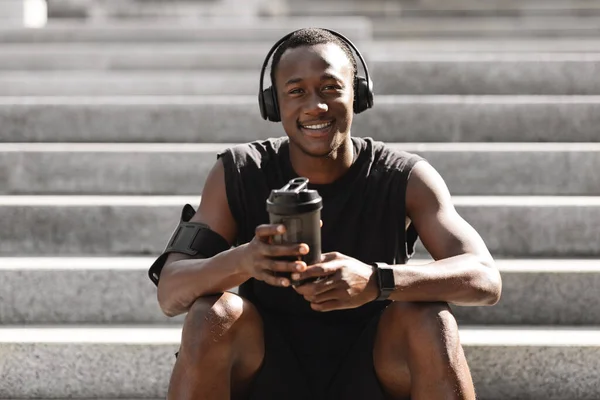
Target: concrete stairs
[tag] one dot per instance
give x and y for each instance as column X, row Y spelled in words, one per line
column 213, row 30
column 544, row 291
column 108, row 127
column 185, row 119
column 131, row 362
column 477, row 169
column 444, row 8
column 401, row 74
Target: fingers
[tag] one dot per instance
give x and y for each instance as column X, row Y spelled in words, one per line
column 271, row 270
column 265, row 232
column 284, row 266
column 295, row 250
column 323, row 296
column 323, row 269
column 268, row 277
column 311, row 290
column 267, row 261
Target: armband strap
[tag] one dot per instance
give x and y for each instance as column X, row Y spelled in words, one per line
column 192, row 238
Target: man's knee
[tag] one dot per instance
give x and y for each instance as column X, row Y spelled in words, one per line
column 419, row 320
column 216, row 321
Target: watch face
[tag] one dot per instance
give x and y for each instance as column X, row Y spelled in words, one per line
column 386, row 281
column 386, row 277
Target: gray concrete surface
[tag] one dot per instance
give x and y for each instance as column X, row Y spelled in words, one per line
column 214, row 30
column 132, row 83
column 133, row 56
column 139, row 368
column 487, row 74
column 468, row 168
column 11, row 12
column 541, row 296
column 511, row 226
column 355, row 27
column 236, row 119
column 488, row 27
column 535, row 373
column 448, row 55
column 399, row 46
column 117, row 291
column 400, row 74
column 443, row 8
column 86, row 370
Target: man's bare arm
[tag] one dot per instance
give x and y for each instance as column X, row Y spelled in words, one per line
column 464, row 272
column 183, row 279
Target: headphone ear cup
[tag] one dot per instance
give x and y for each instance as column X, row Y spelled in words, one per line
column 269, row 109
column 261, row 104
column 363, row 95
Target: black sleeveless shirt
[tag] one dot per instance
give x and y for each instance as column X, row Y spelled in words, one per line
column 364, row 213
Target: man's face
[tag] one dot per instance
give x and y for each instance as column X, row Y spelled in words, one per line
column 315, row 92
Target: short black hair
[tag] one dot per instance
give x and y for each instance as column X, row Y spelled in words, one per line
column 311, row 37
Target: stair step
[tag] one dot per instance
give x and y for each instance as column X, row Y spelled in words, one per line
column 486, row 73
column 133, row 83
column 11, row 12
column 206, row 30
column 512, row 226
column 133, row 56
column 228, row 29
column 75, row 290
column 110, row 362
column 486, row 45
column 546, row 54
column 488, row 27
column 208, row 119
column 186, row 10
column 48, row 290
column 393, row 74
column 443, row 8
column 165, row 169
column 220, row 29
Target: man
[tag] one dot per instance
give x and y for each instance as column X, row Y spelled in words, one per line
column 331, row 338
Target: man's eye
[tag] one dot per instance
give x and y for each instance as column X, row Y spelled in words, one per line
column 332, row 87
column 295, row 91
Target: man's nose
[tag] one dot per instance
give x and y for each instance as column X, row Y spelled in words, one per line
column 316, row 105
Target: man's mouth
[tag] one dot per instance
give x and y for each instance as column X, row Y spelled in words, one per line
column 317, row 128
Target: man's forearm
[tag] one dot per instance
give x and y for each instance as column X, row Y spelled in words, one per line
column 183, row 281
column 463, row 280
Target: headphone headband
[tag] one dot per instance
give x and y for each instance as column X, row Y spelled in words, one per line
column 274, row 116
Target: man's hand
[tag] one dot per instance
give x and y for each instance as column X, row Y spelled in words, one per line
column 259, row 258
column 344, row 282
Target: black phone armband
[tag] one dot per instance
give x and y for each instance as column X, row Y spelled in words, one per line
column 192, row 238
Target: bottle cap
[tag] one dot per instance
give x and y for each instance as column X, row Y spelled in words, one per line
column 294, row 198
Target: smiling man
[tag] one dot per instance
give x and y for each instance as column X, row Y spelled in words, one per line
column 372, row 327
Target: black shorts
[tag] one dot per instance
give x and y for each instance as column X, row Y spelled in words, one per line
column 308, row 359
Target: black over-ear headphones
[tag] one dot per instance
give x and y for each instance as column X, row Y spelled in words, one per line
column 363, row 86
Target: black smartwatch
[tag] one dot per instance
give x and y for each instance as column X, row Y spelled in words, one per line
column 385, row 280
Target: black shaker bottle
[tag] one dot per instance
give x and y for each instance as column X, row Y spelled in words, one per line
column 299, row 209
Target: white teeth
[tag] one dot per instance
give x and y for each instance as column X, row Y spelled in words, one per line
column 318, row 126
